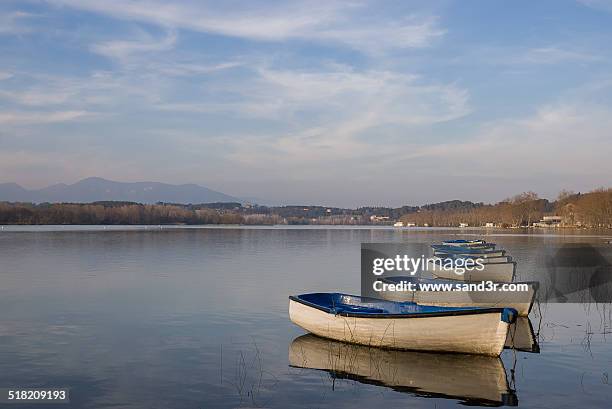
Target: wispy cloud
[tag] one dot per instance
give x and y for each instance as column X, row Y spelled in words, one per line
column 100, row 89
column 37, row 97
column 557, row 139
column 329, row 22
column 337, row 93
column 605, row 5
column 15, row 23
column 149, row 54
column 345, row 114
column 555, row 55
column 5, row 75
column 410, row 32
column 122, row 50
column 529, row 56
column 177, row 68
column 31, row 118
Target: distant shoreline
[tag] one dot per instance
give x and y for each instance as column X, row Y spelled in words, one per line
column 592, row 210
column 465, row 230
column 454, row 231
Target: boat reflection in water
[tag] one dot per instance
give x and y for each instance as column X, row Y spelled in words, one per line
column 522, row 337
column 472, row 379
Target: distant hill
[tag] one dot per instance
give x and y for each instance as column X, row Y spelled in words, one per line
column 97, row 189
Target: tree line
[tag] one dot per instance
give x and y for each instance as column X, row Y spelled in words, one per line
column 592, row 210
column 110, row 213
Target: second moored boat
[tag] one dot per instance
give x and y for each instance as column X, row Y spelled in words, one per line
column 435, row 292
column 482, row 252
column 454, row 268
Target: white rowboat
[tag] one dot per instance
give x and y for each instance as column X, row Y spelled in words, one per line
column 373, row 322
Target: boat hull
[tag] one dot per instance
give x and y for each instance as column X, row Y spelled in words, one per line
column 481, row 333
column 496, row 272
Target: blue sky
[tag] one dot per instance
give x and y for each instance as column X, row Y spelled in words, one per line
column 340, row 103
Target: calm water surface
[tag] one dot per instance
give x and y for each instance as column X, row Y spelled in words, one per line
column 197, row 318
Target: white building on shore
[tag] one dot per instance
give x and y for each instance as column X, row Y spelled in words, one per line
column 549, row 221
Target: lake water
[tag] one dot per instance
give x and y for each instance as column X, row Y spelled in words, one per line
column 197, row 318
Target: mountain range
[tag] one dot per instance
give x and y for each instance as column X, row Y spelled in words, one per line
column 98, row 189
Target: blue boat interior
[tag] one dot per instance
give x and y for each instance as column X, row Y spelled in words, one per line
column 353, row 305
column 462, row 241
column 462, row 250
column 468, row 244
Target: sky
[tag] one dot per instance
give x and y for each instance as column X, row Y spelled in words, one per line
column 345, row 103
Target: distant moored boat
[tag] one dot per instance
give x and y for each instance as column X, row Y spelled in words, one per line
column 463, row 243
column 441, row 249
